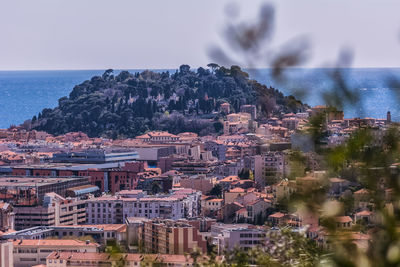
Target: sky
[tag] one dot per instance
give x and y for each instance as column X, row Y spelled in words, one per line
column 130, row 34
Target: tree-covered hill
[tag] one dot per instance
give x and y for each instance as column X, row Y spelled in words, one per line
column 126, row 105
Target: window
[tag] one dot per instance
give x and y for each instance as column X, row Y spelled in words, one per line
column 28, row 259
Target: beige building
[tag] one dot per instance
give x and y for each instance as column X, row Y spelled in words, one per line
column 238, row 121
column 283, row 189
column 199, row 183
column 29, row 252
column 171, row 237
column 79, row 259
column 7, row 217
column 212, row 205
column 234, row 193
column 54, row 211
column 6, row 253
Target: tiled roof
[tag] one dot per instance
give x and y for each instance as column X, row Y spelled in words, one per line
column 91, row 256
column 230, row 179
column 216, row 200
column 337, row 180
column 52, row 242
column 343, row 219
column 277, row 215
column 237, row 190
column 362, row 191
column 364, row 213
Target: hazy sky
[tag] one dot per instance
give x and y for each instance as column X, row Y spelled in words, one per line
column 122, row 34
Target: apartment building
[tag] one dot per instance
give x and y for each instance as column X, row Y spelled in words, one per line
column 275, row 166
column 158, row 137
column 28, row 252
column 115, row 209
column 22, row 190
column 171, row 237
column 108, row 177
column 212, row 205
column 229, row 236
column 54, row 211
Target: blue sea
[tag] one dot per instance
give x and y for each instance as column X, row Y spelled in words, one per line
column 25, row 93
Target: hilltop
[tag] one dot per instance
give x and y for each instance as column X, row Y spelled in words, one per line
column 129, row 104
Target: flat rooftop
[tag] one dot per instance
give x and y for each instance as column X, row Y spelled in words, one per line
column 34, row 181
column 71, row 166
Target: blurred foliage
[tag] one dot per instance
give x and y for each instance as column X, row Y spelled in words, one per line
column 368, row 159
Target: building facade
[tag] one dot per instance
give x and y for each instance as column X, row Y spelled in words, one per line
column 115, row 209
column 54, row 211
column 172, row 237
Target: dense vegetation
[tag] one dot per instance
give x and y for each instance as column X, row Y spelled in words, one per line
column 126, row 105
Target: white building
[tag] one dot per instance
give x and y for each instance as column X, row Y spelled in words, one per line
column 229, row 236
column 182, row 203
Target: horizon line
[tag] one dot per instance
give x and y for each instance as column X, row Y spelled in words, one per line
column 192, row 68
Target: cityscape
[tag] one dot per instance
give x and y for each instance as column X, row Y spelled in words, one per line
column 199, row 133
column 162, row 197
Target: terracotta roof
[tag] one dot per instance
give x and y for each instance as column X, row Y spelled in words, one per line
column 52, row 242
column 144, row 136
column 364, row 213
column 92, row 256
column 277, row 215
column 237, row 190
column 362, row 191
column 343, row 219
column 337, row 180
column 230, row 179
column 216, row 200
